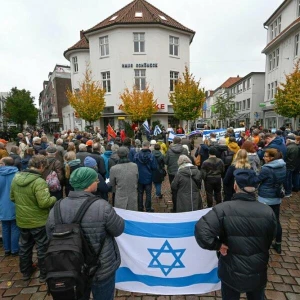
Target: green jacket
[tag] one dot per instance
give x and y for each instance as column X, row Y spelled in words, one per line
column 31, row 195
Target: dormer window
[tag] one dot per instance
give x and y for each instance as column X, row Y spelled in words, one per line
column 138, row 14
column 113, row 18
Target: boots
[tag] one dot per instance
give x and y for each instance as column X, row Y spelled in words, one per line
column 277, row 247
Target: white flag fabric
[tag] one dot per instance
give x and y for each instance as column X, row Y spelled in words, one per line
column 159, row 255
column 172, row 135
column 146, row 126
column 157, row 130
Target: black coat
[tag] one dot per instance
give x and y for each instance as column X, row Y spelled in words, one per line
column 247, row 227
column 158, row 174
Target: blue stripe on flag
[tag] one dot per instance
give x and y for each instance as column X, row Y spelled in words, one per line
column 160, row 230
column 125, row 275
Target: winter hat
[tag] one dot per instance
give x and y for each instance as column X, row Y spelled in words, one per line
column 79, row 137
column 183, row 159
column 90, row 162
column 291, row 137
column 243, row 178
column 89, row 143
column 51, row 149
column 152, row 142
column 82, row 178
column 122, row 152
column 187, row 148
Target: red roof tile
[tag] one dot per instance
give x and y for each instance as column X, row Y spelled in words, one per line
column 230, row 81
column 82, row 44
column 151, row 15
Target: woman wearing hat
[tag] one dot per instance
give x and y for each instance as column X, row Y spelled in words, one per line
column 186, row 184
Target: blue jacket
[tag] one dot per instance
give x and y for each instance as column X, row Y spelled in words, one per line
column 278, row 144
column 146, row 165
column 132, row 153
column 106, row 156
column 7, row 207
column 266, row 188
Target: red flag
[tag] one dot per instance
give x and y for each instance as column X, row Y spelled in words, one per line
column 110, row 131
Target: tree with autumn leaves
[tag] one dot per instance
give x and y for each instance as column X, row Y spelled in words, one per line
column 188, row 97
column 287, row 97
column 89, row 100
column 138, row 105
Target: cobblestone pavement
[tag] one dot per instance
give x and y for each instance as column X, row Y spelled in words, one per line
column 284, row 269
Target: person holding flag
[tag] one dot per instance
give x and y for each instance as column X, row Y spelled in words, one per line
column 110, row 132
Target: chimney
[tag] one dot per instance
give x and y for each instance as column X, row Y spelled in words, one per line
column 81, row 34
column 238, row 76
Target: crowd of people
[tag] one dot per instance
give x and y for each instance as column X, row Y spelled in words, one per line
column 36, row 173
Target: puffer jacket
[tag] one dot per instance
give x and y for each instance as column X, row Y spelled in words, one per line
column 146, row 165
column 100, row 223
column 247, row 227
column 31, row 195
column 7, row 208
column 276, row 143
column 187, row 183
column 106, row 156
column 172, row 156
column 266, row 178
column 3, row 153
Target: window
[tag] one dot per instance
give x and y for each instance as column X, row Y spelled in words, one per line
column 244, row 104
column 138, row 14
column 270, row 62
column 244, row 85
column 173, row 80
column 296, row 44
column 163, row 18
column 269, row 90
column 277, row 57
column 274, row 60
column 248, row 103
column 249, row 83
column 174, row 46
column 272, row 32
column 275, row 28
column 237, row 106
column 275, row 88
column 272, row 90
column 240, row 88
column 298, row 8
column 104, row 47
column 279, row 24
column 106, row 81
column 75, row 64
column 140, row 79
column 139, row 42
column 113, row 18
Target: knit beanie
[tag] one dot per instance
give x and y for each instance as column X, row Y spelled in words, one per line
column 183, row 159
column 90, row 162
column 82, row 178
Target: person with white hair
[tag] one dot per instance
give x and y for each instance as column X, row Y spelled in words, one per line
column 186, row 185
column 189, row 154
column 82, row 153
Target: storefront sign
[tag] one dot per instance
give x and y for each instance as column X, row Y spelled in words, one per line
column 158, row 106
column 262, row 104
column 144, row 65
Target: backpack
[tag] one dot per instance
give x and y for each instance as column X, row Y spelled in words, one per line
column 70, row 262
column 227, row 157
column 53, row 182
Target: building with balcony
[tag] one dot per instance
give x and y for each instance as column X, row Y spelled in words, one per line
column 282, row 51
column 138, row 45
column 53, row 98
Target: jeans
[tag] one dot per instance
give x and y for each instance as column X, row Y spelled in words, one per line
column 157, row 188
column 296, row 180
column 231, row 294
column 174, row 193
column 28, row 238
column 276, row 210
column 288, row 182
column 102, row 290
column 213, row 186
column 10, row 235
column 147, row 188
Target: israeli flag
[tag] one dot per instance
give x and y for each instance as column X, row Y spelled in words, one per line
column 157, row 130
column 161, row 256
column 146, row 126
column 172, row 135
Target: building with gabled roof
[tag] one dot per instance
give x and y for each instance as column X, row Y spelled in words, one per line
column 137, row 45
column 282, row 51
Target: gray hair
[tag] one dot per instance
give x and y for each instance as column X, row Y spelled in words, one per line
column 37, row 162
column 59, row 141
column 82, row 147
column 114, row 147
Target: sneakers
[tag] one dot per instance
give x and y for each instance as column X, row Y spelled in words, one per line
column 277, row 247
column 27, row 275
column 288, row 196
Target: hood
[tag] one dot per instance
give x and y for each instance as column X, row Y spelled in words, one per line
column 107, row 153
column 8, row 170
column 74, row 162
column 189, row 170
column 222, row 147
column 275, row 164
column 144, row 156
column 277, row 141
column 234, row 147
column 177, row 148
column 26, row 177
column 156, row 153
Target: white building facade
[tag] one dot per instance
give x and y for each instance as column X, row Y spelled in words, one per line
column 282, row 51
column 131, row 47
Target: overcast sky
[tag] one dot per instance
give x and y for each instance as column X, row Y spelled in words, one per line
column 34, row 34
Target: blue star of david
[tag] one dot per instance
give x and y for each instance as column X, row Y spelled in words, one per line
column 166, row 248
